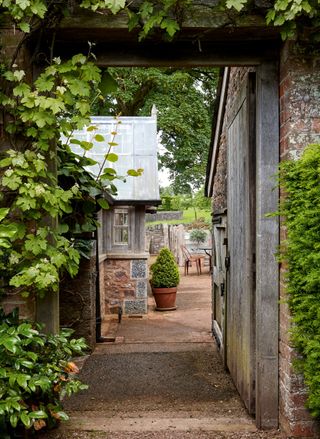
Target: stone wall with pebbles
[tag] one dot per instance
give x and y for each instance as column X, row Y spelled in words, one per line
column 125, row 285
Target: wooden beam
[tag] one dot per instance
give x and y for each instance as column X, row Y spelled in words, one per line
column 267, row 235
column 176, row 54
column 208, row 36
column 199, row 17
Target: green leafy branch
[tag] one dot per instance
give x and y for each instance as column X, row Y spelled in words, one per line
column 36, row 371
column 58, row 102
column 300, row 210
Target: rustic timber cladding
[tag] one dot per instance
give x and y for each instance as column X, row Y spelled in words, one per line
column 299, row 126
column 77, row 301
column 245, row 274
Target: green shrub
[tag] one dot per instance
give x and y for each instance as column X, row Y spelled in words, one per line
column 300, row 209
column 197, row 235
column 165, row 272
column 36, row 372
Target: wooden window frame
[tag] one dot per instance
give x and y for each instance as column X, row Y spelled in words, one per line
column 122, row 210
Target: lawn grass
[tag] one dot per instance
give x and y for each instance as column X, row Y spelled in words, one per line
column 188, row 217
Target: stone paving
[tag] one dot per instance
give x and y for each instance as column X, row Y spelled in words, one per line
column 161, row 378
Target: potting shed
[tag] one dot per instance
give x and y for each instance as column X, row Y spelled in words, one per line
column 123, row 257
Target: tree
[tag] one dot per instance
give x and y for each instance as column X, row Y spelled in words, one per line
column 184, row 99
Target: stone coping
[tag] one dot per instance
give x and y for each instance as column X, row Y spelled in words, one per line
column 105, row 256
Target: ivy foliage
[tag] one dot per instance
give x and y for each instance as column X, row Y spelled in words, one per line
column 300, row 209
column 28, row 14
column 291, row 15
column 163, row 14
column 44, row 187
column 57, row 102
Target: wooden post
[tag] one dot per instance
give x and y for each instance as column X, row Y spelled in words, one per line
column 47, row 312
column 47, row 308
column 267, row 229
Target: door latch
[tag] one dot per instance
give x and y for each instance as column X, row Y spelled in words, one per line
column 227, row 262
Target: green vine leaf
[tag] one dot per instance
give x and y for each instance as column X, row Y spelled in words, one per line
column 238, row 5
column 103, row 203
column 112, row 157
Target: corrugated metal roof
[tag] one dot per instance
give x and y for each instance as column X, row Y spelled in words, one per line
column 136, row 147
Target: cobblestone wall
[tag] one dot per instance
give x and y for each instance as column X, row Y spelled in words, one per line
column 125, row 285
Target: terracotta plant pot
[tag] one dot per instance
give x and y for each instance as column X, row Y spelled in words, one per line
column 165, row 298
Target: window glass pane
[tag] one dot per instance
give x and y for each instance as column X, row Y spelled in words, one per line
column 121, row 235
column 121, row 219
column 121, row 226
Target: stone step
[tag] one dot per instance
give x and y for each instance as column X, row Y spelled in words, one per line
column 88, row 422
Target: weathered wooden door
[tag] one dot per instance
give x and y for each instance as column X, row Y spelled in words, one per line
column 219, row 283
column 240, row 294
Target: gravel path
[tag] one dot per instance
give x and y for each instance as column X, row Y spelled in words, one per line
column 163, row 378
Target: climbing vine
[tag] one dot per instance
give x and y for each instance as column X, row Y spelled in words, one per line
column 291, row 16
column 33, row 249
column 35, row 115
column 43, row 185
column 43, row 203
column 300, row 210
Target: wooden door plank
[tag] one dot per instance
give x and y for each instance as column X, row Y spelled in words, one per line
column 267, row 232
column 240, row 331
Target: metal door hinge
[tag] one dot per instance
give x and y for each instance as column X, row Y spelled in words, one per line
column 227, row 262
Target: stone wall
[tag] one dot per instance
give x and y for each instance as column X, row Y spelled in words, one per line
column 299, row 126
column 125, row 283
column 165, row 235
column 164, row 216
column 155, row 238
column 78, row 302
column 219, row 197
